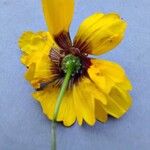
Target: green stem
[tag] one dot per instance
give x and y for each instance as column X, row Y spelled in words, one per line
column 57, row 107
column 62, row 92
column 53, row 135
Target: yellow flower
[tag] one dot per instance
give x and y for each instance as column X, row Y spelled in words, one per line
column 98, row 88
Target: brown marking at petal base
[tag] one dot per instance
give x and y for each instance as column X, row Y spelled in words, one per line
column 82, row 45
column 63, row 40
column 56, row 55
column 57, row 82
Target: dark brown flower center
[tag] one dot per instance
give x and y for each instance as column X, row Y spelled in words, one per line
column 57, row 56
column 58, row 59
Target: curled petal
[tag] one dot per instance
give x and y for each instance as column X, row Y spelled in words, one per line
column 112, row 81
column 36, row 48
column 35, row 41
column 100, row 33
column 118, row 102
column 100, row 113
column 40, row 72
column 106, row 74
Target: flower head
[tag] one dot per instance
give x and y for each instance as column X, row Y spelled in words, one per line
column 97, row 88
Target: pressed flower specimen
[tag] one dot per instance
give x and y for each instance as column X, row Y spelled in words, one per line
column 95, row 88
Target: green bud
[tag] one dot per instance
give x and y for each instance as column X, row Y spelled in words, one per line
column 71, row 62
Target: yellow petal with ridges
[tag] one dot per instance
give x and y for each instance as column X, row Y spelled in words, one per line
column 121, row 97
column 119, row 102
column 67, row 110
column 78, row 110
column 114, row 109
column 36, row 48
column 100, row 33
column 47, row 99
column 126, row 84
column 35, row 41
column 40, row 71
column 58, row 15
column 105, row 74
column 100, row 113
column 116, row 88
column 84, row 104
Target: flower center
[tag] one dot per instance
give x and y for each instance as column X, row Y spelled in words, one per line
column 71, row 62
column 70, row 59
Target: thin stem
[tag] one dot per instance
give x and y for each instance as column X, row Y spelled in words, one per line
column 53, row 135
column 57, row 107
column 61, row 94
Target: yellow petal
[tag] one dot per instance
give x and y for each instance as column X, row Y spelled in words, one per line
column 119, row 101
column 121, row 96
column 100, row 113
column 32, row 42
column 67, row 110
column 126, row 84
column 40, row 71
column 30, row 73
column 47, row 99
column 115, row 88
column 36, row 48
column 105, row 74
column 58, row 16
column 100, row 33
column 84, row 102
